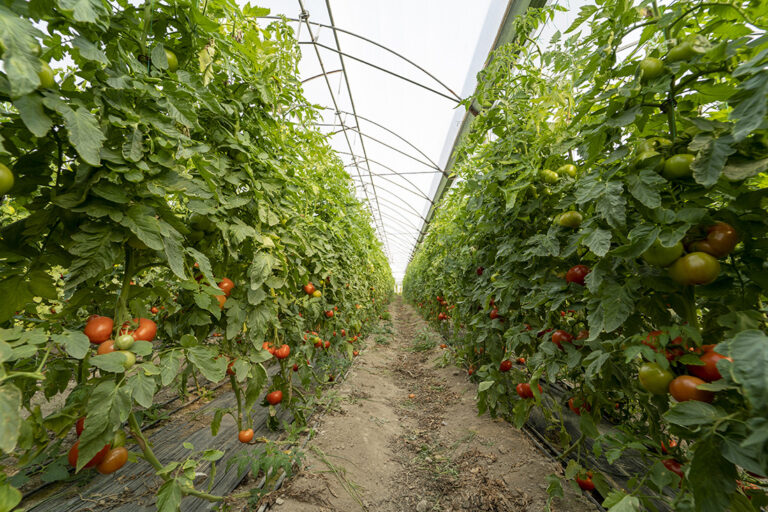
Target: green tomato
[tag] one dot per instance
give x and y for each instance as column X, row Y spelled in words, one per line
column 549, row 176
column 571, row 219
column 173, row 62
column 494, row 277
column 653, row 144
column 6, row 180
column 124, row 342
column 201, row 223
column 651, row 68
column 661, row 256
column 130, row 358
column 46, row 76
column 654, row 378
column 695, row 268
column 683, row 51
column 196, row 236
column 569, row 169
column 678, row 166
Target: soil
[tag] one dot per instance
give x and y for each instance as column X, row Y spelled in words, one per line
column 379, row 450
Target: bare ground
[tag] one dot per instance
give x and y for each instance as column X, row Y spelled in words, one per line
column 380, row 450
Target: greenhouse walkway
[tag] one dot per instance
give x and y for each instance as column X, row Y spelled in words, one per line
column 402, row 433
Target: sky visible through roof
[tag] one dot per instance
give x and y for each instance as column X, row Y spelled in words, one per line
column 404, row 133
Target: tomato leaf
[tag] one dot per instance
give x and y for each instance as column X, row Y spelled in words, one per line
column 112, row 362
column 598, row 241
column 485, row 385
column 749, row 350
column 31, row 111
column 692, row 413
column 10, row 412
column 646, row 187
column 711, row 477
column 84, row 134
column 205, row 359
column 74, row 342
column 710, row 161
column 169, row 496
column 142, row 388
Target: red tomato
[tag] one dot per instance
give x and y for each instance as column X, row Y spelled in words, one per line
column 80, row 425
column 99, row 328
column 154, row 310
column 505, row 365
column 222, row 299
column 520, row 360
column 559, row 337
column 709, row 371
column 586, row 484
column 113, row 460
column 230, row 371
column 283, row 352
column 73, row 454
column 683, row 388
column 576, row 274
column 329, row 314
column 480, row 271
column 673, row 466
column 309, row 288
column 578, row 407
column 106, row 347
column 275, row 397
column 524, row 390
column 245, row 436
column 226, row 285
column 494, row 314
column 295, row 367
column 140, row 328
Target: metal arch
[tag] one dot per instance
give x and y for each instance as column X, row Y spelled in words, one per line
column 334, row 28
column 406, row 203
column 416, row 192
column 362, row 134
column 399, row 221
column 349, row 144
column 384, row 70
column 321, row 75
column 393, row 133
column 399, row 173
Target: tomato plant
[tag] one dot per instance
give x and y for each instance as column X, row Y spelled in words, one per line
column 161, row 158
column 661, row 108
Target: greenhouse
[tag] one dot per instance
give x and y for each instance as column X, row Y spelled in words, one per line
column 333, row 255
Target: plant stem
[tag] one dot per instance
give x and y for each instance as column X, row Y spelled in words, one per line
column 138, row 436
column 236, row 390
column 121, row 307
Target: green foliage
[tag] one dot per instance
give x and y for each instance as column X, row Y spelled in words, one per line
column 582, row 101
column 174, row 150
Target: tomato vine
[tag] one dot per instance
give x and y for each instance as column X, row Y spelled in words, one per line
column 611, row 219
column 158, row 167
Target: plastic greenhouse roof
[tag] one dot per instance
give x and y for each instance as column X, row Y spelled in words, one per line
column 395, row 134
column 403, row 134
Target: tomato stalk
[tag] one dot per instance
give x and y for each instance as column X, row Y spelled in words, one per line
column 236, row 390
column 121, row 307
column 150, row 457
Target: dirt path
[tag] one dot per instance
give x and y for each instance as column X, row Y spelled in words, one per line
column 381, row 451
